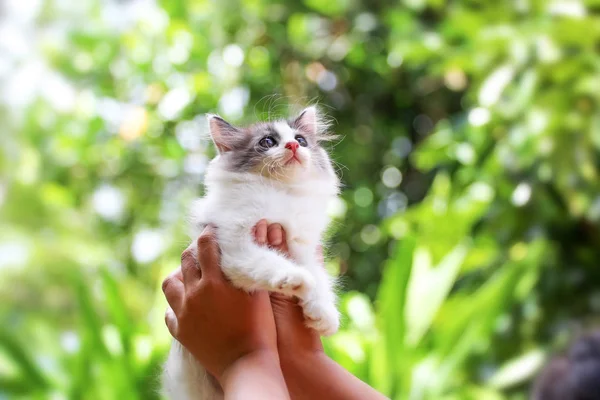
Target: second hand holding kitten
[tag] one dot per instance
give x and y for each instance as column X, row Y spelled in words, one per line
column 292, row 332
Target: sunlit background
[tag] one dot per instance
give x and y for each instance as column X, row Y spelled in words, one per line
column 468, row 233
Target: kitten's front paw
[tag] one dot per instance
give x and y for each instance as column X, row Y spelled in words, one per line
column 322, row 317
column 293, row 283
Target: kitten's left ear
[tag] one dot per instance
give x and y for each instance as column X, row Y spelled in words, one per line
column 223, row 133
column 308, row 121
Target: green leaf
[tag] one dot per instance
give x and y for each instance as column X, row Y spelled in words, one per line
column 518, row 370
column 391, row 303
column 117, row 308
column 91, row 324
column 427, row 289
column 21, row 357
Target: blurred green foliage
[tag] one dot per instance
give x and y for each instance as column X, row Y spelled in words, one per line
column 469, row 231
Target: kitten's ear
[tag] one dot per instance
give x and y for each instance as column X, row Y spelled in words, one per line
column 222, row 133
column 308, row 121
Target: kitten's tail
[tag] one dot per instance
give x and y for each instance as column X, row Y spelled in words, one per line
column 185, row 379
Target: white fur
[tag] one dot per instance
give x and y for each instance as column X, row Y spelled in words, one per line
column 296, row 196
column 284, row 130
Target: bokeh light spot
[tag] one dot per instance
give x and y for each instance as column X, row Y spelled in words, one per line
column 363, row 197
column 391, row 177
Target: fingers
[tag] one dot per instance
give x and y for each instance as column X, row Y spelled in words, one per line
column 171, row 321
column 275, row 234
column 208, row 254
column 190, row 269
column 272, row 235
column 260, row 232
column 178, row 274
column 173, row 289
column 276, row 238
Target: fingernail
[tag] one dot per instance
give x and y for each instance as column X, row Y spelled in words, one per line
column 276, row 241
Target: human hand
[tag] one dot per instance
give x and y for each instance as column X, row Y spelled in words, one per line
column 294, row 338
column 221, row 326
column 309, row 373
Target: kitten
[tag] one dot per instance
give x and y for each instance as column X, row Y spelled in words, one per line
column 277, row 171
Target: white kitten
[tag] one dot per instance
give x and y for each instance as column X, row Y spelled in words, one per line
column 277, row 171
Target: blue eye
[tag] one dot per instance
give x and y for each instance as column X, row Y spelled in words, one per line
column 301, row 140
column 267, row 142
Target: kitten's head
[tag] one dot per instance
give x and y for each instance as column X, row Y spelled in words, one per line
column 281, row 150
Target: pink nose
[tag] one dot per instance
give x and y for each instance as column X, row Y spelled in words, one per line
column 292, row 146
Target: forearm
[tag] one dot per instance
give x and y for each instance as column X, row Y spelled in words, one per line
column 255, row 376
column 319, row 377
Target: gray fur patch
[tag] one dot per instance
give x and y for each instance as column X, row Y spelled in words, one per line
column 248, row 155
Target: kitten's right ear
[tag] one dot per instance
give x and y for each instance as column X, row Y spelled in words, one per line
column 308, row 121
column 222, row 133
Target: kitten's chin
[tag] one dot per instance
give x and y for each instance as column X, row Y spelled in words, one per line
column 291, row 171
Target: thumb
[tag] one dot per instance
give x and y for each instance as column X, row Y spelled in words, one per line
column 209, row 256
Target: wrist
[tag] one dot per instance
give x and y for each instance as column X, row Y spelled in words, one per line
column 255, row 376
column 314, row 375
column 301, row 359
column 298, row 367
column 256, row 361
